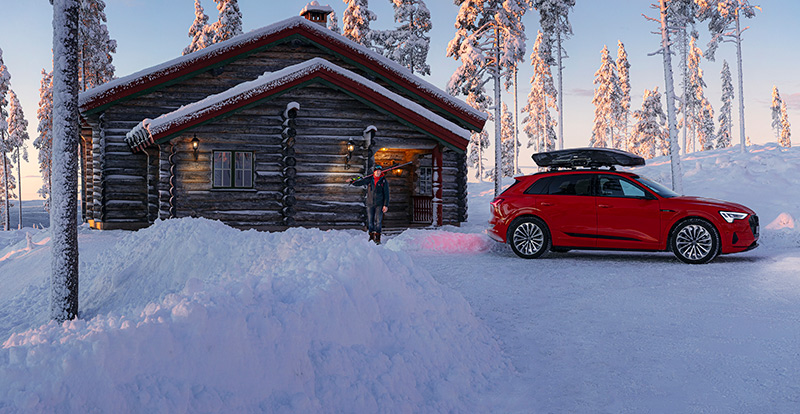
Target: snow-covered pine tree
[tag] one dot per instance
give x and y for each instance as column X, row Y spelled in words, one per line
column 776, row 110
column 478, row 144
column 66, row 130
column 669, row 14
column 516, row 11
column 508, row 139
column 786, row 128
column 607, row 97
column 725, row 123
column 649, row 138
column 333, row 22
column 5, row 84
column 200, row 31
column 724, row 18
column 96, row 46
column 229, row 23
column 554, row 20
column 17, row 135
column 539, row 123
column 624, row 107
column 355, row 21
column 486, row 42
column 44, row 141
column 682, row 24
column 408, row 44
column 700, row 116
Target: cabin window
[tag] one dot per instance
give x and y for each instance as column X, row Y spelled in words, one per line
column 425, row 183
column 233, row 169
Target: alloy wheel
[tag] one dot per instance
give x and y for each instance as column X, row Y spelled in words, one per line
column 528, row 238
column 694, row 242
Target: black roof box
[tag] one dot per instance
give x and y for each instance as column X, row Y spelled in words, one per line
column 587, row 157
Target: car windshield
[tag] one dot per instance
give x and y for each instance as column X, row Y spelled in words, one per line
column 657, row 188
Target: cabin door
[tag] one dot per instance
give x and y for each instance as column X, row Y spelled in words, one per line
column 410, row 187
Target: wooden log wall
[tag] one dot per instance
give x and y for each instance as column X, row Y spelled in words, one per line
column 129, row 190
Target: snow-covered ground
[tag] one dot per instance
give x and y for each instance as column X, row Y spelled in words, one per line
column 192, row 316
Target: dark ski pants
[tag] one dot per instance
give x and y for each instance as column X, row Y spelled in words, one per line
column 374, row 218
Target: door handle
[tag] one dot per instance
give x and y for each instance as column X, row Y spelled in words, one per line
column 547, row 204
column 603, row 206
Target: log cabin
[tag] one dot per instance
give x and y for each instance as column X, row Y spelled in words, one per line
column 265, row 130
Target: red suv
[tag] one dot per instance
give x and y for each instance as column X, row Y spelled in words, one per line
column 601, row 208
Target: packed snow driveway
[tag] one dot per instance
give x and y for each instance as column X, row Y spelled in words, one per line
column 637, row 332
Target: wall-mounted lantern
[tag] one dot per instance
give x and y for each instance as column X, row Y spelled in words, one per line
column 195, row 146
column 351, row 146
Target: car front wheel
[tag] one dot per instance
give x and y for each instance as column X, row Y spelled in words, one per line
column 695, row 241
column 529, row 238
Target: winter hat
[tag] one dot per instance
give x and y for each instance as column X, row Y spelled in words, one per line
column 378, row 167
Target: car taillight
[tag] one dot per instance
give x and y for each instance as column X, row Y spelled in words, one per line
column 495, row 205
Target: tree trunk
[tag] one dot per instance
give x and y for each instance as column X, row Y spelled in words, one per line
column 64, row 193
column 498, row 153
column 685, row 67
column 742, row 136
column 560, row 94
column 6, row 209
column 19, row 189
column 516, row 123
column 674, row 149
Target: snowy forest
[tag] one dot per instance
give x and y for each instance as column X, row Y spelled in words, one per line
column 492, row 49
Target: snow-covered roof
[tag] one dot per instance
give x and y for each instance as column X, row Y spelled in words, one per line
column 150, row 131
column 157, row 75
column 316, row 7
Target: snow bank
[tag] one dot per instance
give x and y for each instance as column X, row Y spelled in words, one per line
column 192, row 316
column 439, row 241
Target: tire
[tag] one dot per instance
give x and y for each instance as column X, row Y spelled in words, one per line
column 529, row 238
column 695, row 241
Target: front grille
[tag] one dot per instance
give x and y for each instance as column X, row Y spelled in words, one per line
column 754, row 225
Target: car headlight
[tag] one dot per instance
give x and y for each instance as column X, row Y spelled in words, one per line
column 730, row 216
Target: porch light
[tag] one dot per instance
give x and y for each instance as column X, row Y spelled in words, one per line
column 351, row 146
column 195, row 146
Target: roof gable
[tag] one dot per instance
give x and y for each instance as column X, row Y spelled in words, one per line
column 157, row 76
column 151, row 131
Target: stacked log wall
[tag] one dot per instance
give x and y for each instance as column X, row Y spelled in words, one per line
column 123, row 197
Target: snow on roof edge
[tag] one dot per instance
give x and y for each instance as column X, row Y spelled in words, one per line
column 181, row 62
column 142, row 132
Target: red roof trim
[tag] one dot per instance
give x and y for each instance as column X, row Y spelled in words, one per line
column 335, row 78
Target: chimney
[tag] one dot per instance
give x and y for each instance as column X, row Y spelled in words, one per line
column 316, row 13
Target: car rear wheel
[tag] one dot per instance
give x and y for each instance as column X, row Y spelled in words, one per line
column 695, row 241
column 529, row 238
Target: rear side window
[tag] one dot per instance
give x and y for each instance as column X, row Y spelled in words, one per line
column 539, row 187
column 569, row 184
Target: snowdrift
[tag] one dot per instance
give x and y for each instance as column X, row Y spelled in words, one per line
column 192, row 316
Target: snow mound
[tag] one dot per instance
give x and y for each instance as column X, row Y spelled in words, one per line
column 783, row 221
column 192, row 316
column 439, row 241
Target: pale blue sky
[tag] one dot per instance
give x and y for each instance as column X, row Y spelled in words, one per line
column 149, row 32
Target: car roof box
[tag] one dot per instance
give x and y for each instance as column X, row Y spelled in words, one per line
column 587, row 157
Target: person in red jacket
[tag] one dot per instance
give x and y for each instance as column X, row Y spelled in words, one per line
column 377, row 201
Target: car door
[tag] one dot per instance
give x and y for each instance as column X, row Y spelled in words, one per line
column 628, row 216
column 568, row 207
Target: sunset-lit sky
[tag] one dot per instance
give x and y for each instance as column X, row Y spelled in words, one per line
column 149, row 32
